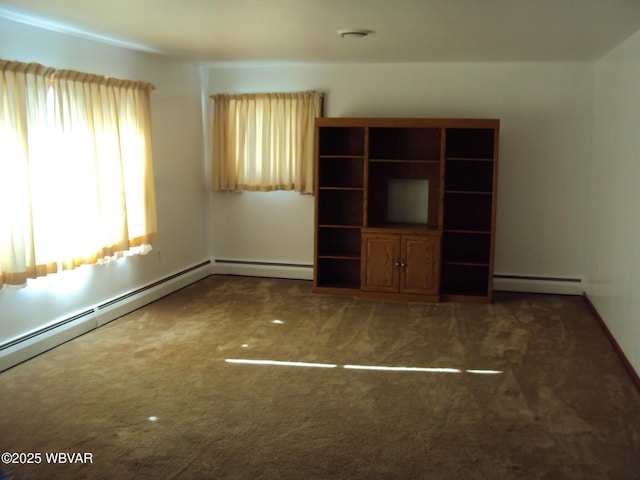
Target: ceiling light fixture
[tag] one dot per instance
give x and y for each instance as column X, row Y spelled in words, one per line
column 353, row 32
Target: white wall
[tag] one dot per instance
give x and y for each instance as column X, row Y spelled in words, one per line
column 613, row 248
column 546, row 122
column 179, row 179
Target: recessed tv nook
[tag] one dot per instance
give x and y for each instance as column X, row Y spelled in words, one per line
column 405, row 208
column 408, row 201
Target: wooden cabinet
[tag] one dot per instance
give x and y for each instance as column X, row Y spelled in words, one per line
column 401, row 263
column 392, row 190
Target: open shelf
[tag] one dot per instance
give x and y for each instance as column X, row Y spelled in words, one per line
column 469, row 212
column 469, row 175
column 405, row 143
column 338, row 242
column 341, row 141
column 382, row 170
column 466, row 248
column 340, row 171
column 401, row 160
column 464, row 279
column 340, row 207
column 409, row 227
column 338, row 273
column 470, row 143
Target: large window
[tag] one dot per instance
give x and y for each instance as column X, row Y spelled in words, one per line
column 264, row 142
column 76, row 177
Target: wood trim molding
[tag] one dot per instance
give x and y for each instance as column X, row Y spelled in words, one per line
column 623, row 358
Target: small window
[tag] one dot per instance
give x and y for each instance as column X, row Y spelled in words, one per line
column 264, row 141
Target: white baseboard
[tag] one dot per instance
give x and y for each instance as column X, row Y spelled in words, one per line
column 263, row 269
column 501, row 282
column 534, row 284
column 63, row 330
column 23, row 349
column 115, row 308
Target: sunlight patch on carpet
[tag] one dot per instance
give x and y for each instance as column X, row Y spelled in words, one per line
column 281, row 363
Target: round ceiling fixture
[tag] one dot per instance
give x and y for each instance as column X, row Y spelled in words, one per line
column 353, row 32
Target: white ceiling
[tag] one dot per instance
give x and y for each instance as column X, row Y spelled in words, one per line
column 305, row 30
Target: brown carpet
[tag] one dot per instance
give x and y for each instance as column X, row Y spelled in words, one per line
column 555, row 404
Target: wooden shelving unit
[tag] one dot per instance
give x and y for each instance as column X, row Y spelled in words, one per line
column 469, row 213
column 405, row 208
column 340, row 190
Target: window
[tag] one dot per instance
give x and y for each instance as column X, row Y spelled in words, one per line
column 76, row 176
column 264, row 142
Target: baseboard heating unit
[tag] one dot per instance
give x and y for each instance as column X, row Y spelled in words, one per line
column 28, row 345
column 538, row 284
column 252, row 268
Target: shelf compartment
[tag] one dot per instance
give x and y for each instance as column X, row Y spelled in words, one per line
column 339, row 242
column 341, row 172
column 403, row 227
column 469, row 143
column 405, row 143
column 401, row 160
column 401, row 169
column 469, row 175
column 338, row 273
column 468, row 248
column 386, row 178
column 341, row 141
column 340, row 206
column 469, row 212
column 464, row 280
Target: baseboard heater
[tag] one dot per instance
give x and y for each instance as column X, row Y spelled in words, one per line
column 502, row 282
column 152, row 285
column 38, row 341
column 529, row 277
column 538, row 284
column 49, row 328
column 268, row 264
column 300, row 271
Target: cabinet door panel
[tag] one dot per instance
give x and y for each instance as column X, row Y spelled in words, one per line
column 420, row 260
column 380, row 254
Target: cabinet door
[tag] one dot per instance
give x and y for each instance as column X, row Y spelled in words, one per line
column 381, row 254
column 420, row 258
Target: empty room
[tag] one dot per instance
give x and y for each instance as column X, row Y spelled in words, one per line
column 320, row 239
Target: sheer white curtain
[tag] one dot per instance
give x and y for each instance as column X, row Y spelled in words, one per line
column 76, row 175
column 264, row 141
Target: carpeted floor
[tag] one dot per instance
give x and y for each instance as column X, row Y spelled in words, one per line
column 525, row 388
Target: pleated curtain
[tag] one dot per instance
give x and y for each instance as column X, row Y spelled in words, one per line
column 76, row 173
column 264, row 141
